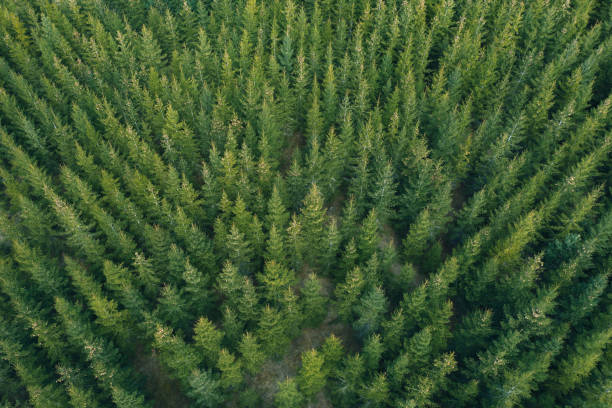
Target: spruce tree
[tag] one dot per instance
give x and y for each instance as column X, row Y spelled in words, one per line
column 348, row 294
column 252, row 356
column 277, row 213
column 313, row 301
column 230, row 369
column 370, row 311
column 377, row 392
column 272, row 332
column 333, row 352
column 207, row 339
column 288, row 395
column 204, row 388
column 313, row 219
column 248, row 306
column 233, row 327
column 368, row 238
column 275, row 279
column 275, row 246
column 311, row 378
column 372, row 352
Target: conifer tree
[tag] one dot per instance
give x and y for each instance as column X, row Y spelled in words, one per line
column 108, row 315
column 333, row 352
column 252, row 356
column 296, row 242
column 163, row 161
column 272, row 332
column 384, row 195
column 79, row 235
column 42, row 392
column 296, row 182
column 331, row 247
column 207, row 339
column 43, row 271
column 349, row 258
column 360, row 182
column 239, row 249
column 330, row 97
column 313, row 219
column 232, row 325
column 275, row 279
column 292, row 312
column 311, row 377
column 150, row 54
column 349, row 227
column 313, row 301
column 368, row 238
column 172, row 306
column 370, row 311
column 275, row 246
column 147, row 276
column 188, row 28
column 372, row 352
column 288, row 395
column 204, row 388
column 178, row 142
column 231, row 375
column 248, row 306
column 334, row 165
column 230, row 283
column 197, row 289
column 583, row 357
column 277, row 213
column 348, row 293
column 377, row 392
column 351, row 379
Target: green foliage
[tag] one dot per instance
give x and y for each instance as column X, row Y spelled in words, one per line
column 275, row 279
column 271, row 331
column 311, row 377
column 207, row 338
column 370, row 311
column 583, row 355
column 314, row 303
column 348, row 293
column 252, row 356
column 376, row 393
column 313, row 218
column 418, row 191
column 288, row 395
column 332, row 351
column 230, row 368
column 369, row 236
column 204, row 389
column 350, row 380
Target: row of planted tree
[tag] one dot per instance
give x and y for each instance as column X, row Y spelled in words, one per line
column 202, row 183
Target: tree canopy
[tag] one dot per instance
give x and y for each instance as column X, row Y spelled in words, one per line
column 286, row 203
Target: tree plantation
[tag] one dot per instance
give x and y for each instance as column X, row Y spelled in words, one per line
column 305, row 203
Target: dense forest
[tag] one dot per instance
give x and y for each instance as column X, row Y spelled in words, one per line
column 284, row 203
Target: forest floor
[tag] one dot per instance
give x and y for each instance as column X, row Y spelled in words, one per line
column 275, row 371
column 165, row 390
